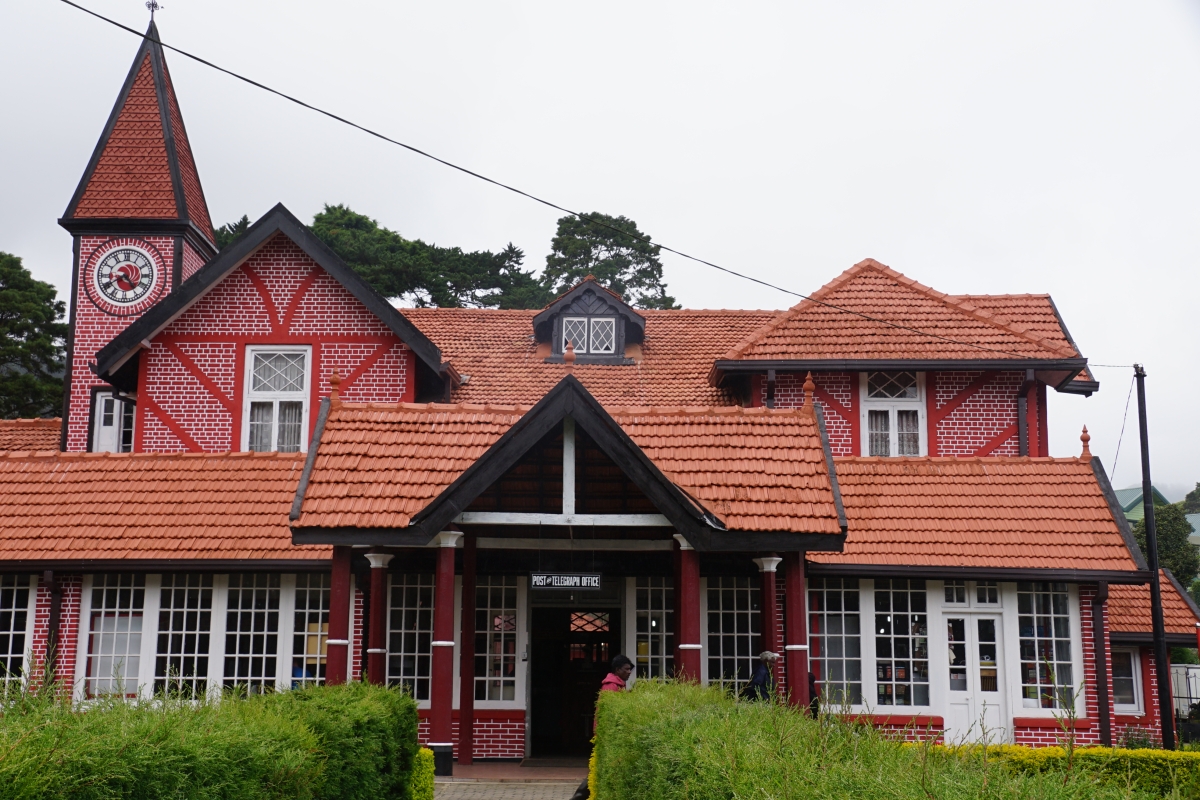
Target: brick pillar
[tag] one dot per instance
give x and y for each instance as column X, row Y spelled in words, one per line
column 687, row 638
column 441, row 691
column 795, row 595
column 377, row 624
column 337, row 646
column 769, row 612
column 466, row 662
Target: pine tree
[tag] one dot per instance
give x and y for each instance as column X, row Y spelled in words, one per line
column 32, row 343
column 613, row 250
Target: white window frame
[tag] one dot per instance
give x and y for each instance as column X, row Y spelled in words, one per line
column 589, row 322
column 1138, row 706
column 97, row 422
column 1012, row 654
column 867, row 404
column 592, row 335
column 142, row 685
column 249, row 396
column 972, row 597
column 31, row 584
column 522, row 673
column 867, row 646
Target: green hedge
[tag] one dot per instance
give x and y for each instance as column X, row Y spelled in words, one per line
column 1160, row 772
column 352, row 741
column 686, row 742
column 422, row 779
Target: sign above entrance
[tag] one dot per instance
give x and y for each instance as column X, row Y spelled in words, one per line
column 584, row 581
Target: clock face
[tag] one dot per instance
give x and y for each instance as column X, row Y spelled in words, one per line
column 125, row 278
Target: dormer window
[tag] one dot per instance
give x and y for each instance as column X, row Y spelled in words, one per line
column 893, row 413
column 594, row 335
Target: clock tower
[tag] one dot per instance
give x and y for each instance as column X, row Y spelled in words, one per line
column 141, row 227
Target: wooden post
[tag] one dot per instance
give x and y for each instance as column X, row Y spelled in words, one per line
column 441, row 692
column 337, row 646
column 796, row 618
column 466, row 663
column 769, row 610
column 687, row 639
column 377, row 625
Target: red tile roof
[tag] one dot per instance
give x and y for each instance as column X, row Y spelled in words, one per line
column 104, row 506
column 496, row 348
column 1009, row 326
column 977, row 512
column 30, row 434
column 1129, row 609
column 379, row 465
column 197, row 206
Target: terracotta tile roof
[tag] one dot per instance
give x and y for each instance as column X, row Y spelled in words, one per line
column 755, row 469
column 104, row 506
column 30, row 434
column 811, row 331
column 496, row 348
column 1129, row 609
column 977, row 512
column 197, row 206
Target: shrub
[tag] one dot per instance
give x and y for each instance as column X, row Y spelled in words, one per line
column 682, row 741
column 308, row 744
column 1160, row 772
column 422, row 776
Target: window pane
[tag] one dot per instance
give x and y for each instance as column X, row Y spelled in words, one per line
column 1046, row 676
column 733, row 625
column 1124, row 693
column 901, row 643
column 878, row 427
column 908, row 433
column 278, row 372
column 410, row 634
column 261, row 415
column 115, row 644
column 834, row 637
column 892, row 385
column 14, row 614
column 575, row 331
column 604, row 335
column 184, row 623
column 291, row 413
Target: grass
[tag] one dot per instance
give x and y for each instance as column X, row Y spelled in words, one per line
column 686, row 742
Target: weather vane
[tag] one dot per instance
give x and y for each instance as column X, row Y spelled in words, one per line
column 153, row 6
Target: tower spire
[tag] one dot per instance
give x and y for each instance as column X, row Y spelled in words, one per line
column 153, row 6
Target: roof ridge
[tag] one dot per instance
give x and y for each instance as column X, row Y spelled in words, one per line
column 32, row 422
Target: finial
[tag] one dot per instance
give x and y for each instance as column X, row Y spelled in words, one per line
column 153, row 6
column 335, row 380
column 809, row 388
column 569, row 355
column 1085, row 437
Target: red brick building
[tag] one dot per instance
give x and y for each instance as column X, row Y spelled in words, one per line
column 267, row 476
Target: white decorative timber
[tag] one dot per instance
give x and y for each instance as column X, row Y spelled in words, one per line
column 631, row 545
column 380, row 560
column 690, row 647
column 447, row 539
column 585, row 520
column 683, row 545
column 568, row 498
column 796, row 647
column 767, row 564
column 440, row 643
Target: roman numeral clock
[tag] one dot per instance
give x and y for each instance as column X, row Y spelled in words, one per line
column 125, row 277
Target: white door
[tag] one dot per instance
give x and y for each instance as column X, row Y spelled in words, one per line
column 976, row 709
column 112, row 424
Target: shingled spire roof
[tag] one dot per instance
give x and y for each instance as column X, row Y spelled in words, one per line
column 142, row 168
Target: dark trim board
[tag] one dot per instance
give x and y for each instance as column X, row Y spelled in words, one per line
column 277, row 220
column 69, row 373
column 170, row 565
column 860, row 364
column 1147, row 639
column 829, row 466
column 310, row 459
column 1183, row 592
column 120, row 226
column 976, row 573
column 1114, row 508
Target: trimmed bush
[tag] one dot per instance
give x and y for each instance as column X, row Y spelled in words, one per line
column 309, row 744
column 422, row 778
column 687, row 742
column 1160, row 772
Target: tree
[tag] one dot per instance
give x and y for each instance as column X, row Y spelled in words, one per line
column 32, row 336
column 230, row 232
column 1191, row 503
column 1175, row 552
column 612, row 249
column 425, row 274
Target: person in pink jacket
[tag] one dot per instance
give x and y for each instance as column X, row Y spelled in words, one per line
column 614, row 681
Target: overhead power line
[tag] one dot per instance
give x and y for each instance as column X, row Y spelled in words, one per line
column 533, row 197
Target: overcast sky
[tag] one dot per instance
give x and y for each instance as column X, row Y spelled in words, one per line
column 978, row 148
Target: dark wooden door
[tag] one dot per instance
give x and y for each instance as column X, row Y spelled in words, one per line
column 572, row 651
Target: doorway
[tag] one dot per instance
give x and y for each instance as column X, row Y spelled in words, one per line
column 976, row 708
column 571, row 651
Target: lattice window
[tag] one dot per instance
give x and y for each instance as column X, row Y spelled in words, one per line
column 603, row 338
column 311, row 629
column 410, row 633
column 252, row 632
column 1044, row 621
column 892, row 385
column 734, row 633
column 655, row 627
column 589, row 622
column 834, row 634
column 184, row 625
column 901, row 643
column 115, row 634
column 14, row 619
column 496, row 638
column 596, row 335
column 278, row 400
column 575, row 331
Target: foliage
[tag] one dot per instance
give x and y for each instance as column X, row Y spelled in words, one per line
column 32, row 337
column 230, row 232
column 422, row 776
column 612, row 249
column 675, row 741
column 425, row 274
column 1183, row 655
column 1158, row 772
column 1175, row 552
column 1191, row 503
column 308, row 744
